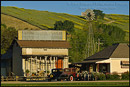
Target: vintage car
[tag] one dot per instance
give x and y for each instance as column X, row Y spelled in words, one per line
column 69, row 74
column 55, row 73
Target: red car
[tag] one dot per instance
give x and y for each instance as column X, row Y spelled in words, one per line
column 69, row 74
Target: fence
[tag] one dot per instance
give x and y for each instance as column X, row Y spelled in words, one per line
column 22, row 78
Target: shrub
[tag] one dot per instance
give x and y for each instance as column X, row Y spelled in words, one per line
column 114, row 76
column 102, row 76
column 96, row 75
column 125, row 76
column 99, row 76
column 108, row 76
column 27, row 71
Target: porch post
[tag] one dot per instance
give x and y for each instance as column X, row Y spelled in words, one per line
column 43, row 64
column 97, row 69
column 23, row 65
column 40, row 63
column 54, row 63
column 50, row 64
column 36, row 65
column 46, row 64
column 57, row 62
column 27, row 63
column 31, row 65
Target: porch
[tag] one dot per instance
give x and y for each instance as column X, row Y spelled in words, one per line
column 96, row 66
column 43, row 63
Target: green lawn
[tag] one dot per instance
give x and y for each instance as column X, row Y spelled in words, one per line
column 71, row 84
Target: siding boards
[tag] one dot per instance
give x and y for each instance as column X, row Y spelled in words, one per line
column 44, row 51
column 42, row 35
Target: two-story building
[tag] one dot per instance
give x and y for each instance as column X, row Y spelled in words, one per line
column 39, row 50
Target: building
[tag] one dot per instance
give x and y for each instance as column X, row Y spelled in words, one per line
column 6, row 63
column 39, row 51
column 114, row 58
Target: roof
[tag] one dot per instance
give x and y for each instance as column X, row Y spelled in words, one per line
column 122, row 51
column 115, row 51
column 43, row 44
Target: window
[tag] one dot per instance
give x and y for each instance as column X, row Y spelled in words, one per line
column 45, row 49
column 54, row 70
column 124, row 64
column 73, row 70
column 67, row 70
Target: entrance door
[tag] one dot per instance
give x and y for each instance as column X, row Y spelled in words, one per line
column 59, row 63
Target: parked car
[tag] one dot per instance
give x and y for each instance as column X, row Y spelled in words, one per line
column 69, row 74
column 55, row 73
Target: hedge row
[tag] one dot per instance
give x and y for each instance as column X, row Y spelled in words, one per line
column 113, row 76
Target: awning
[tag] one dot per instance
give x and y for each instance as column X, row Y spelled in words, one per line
column 125, row 62
column 88, row 61
column 104, row 61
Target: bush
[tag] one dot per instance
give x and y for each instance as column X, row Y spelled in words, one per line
column 125, row 76
column 108, row 76
column 27, row 71
column 101, row 76
column 114, row 76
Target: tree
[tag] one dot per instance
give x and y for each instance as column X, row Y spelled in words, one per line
column 7, row 36
column 66, row 25
column 98, row 14
column 58, row 25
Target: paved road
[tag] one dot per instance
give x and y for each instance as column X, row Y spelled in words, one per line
column 14, row 82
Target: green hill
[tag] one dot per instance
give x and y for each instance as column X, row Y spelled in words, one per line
column 16, row 23
column 45, row 19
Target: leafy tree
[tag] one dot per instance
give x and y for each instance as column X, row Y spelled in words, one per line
column 98, row 14
column 66, row 25
column 78, row 42
column 58, row 25
column 7, row 36
column 109, row 34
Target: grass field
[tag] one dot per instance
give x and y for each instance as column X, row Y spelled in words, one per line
column 69, row 84
column 18, row 24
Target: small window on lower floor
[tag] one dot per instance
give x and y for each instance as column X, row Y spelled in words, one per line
column 124, row 64
column 45, row 49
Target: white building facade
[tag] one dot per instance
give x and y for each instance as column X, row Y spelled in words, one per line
column 40, row 55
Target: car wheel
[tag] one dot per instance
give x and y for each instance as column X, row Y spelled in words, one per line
column 71, row 78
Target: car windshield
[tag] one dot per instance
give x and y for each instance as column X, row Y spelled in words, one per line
column 73, row 70
column 54, row 70
column 67, row 70
column 61, row 70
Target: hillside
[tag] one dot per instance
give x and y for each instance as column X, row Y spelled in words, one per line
column 45, row 19
column 14, row 22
